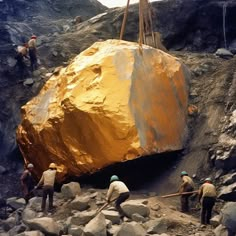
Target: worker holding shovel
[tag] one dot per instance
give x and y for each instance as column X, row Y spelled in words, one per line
column 119, row 192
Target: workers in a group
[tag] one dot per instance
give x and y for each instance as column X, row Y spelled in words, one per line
column 33, row 52
column 207, row 197
column 47, row 181
column 117, row 192
column 27, row 182
column 186, row 186
column 22, row 52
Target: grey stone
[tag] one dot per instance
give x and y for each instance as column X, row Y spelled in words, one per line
column 138, row 218
column 229, row 178
column 35, row 203
column 228, row 193
column 16, row 203
column 135, row 206
column 55, row 53
column 28, row 214
column 28, row 82
column 157, row 226
column 45, row 224
column 224, row 53
column 9, row 223
column 131, row 229
column 82, row 218
column 220, row 231
column 96, row 227
column 70, row 190
column 75, row 230
column 113, row 230
column 215, row 221
column 31, row 233
column 80, row 203
column 229, row 216
column 108, row 224
column 16, row 230
column 113, row 216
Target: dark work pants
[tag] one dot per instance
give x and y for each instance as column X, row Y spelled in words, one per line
column 207, row 206
column 47, row 191
column 33, row 59
column 122, row 197
column 184, row 199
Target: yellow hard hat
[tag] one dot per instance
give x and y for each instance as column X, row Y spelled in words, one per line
column 52, row 166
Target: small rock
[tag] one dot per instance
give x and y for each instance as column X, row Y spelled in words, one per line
column 28, row 82
column 16, row 203
column 96, row 227
column 17, row 230
column 80, row 203
column 224, row 53
column 70, row 190
column 113, row 216
column 82, row 218
column 131, row 229
column 45, row 224
column 157, row 226
column 215, row 221
column 75, row 230
column 55, row 53
column 9, row 223
column 220, row 231
column 228, row 193
column 135, row 206
column 138, row 218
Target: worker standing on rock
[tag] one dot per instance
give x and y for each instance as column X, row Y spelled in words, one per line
column 33, row 53
column 27, row 182
column 119, row 192
column 22, row 52
column 207, row 196
column 186, row 186
column 48, row 180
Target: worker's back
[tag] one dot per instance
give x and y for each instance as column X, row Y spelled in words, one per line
column 49, row 177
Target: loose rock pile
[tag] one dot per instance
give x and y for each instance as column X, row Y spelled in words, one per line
column 77, row 215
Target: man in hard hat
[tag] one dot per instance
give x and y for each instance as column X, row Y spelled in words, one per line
column 119, row 192
column 186, row 186
column 22, row 52
column 27, row 182
column 33, row 52
column 207, row 197
column 47, row 181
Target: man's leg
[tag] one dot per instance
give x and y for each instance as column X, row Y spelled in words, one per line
column 45, row 192
column 203, row 211
column 211, row 203
column 120, row 199
column 50, row 193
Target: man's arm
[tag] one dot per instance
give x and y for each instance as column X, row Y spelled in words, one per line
column 41, row 181
column 109, row 193
column 23, row 176
column 200, row 192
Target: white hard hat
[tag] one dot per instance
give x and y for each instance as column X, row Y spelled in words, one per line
column 30, row 165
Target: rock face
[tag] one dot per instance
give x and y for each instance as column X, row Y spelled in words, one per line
column 112, row 103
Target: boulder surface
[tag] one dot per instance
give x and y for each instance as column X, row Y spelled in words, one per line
column 114, row 102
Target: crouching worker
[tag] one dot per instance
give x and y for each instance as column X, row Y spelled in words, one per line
column 47, row 181
column 117, row 192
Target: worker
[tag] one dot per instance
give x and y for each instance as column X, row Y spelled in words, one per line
column 33, row 52
column 27, row 182
column 22, row 52
column 207, row 197
column 47, row 181
column 186, row 186
column 117, row 192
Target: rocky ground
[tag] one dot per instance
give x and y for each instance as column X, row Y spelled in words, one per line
column 76, row 213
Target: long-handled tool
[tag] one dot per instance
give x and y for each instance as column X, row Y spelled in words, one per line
column 104, row 206
column 178, row 194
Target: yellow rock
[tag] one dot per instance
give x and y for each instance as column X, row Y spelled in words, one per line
column 114, row 102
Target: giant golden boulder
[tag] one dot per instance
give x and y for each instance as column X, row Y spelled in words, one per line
column 114, row 102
